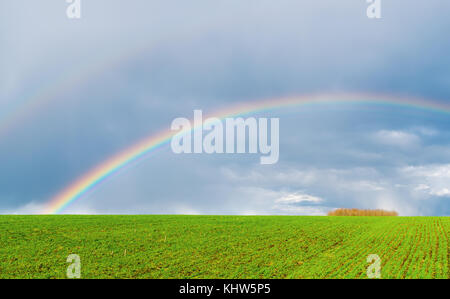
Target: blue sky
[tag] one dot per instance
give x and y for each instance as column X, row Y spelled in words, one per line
column 130, row 69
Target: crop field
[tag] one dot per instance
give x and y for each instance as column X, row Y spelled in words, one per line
column 159, row 246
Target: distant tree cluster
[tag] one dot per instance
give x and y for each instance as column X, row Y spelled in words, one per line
column 359, row 212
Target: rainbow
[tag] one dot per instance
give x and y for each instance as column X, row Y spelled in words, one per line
column 137, row 151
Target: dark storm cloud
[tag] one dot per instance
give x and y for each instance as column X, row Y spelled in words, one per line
column 144, row 63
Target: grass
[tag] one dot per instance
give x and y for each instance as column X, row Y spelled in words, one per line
column 158, row 246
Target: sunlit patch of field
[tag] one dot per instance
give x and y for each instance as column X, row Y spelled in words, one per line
column 158, row 246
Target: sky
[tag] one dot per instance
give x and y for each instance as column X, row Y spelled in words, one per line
column 74, row 92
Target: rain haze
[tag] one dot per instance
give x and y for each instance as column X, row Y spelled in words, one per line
column 74, row 92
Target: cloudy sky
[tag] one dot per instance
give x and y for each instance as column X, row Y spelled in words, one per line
column 75, row 92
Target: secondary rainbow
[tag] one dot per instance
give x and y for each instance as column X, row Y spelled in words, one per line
column 137, row 151
column 25, row 107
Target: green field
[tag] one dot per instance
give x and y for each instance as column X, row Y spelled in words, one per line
column 223, row 246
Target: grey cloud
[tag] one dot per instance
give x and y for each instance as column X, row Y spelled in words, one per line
column 128, row 69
